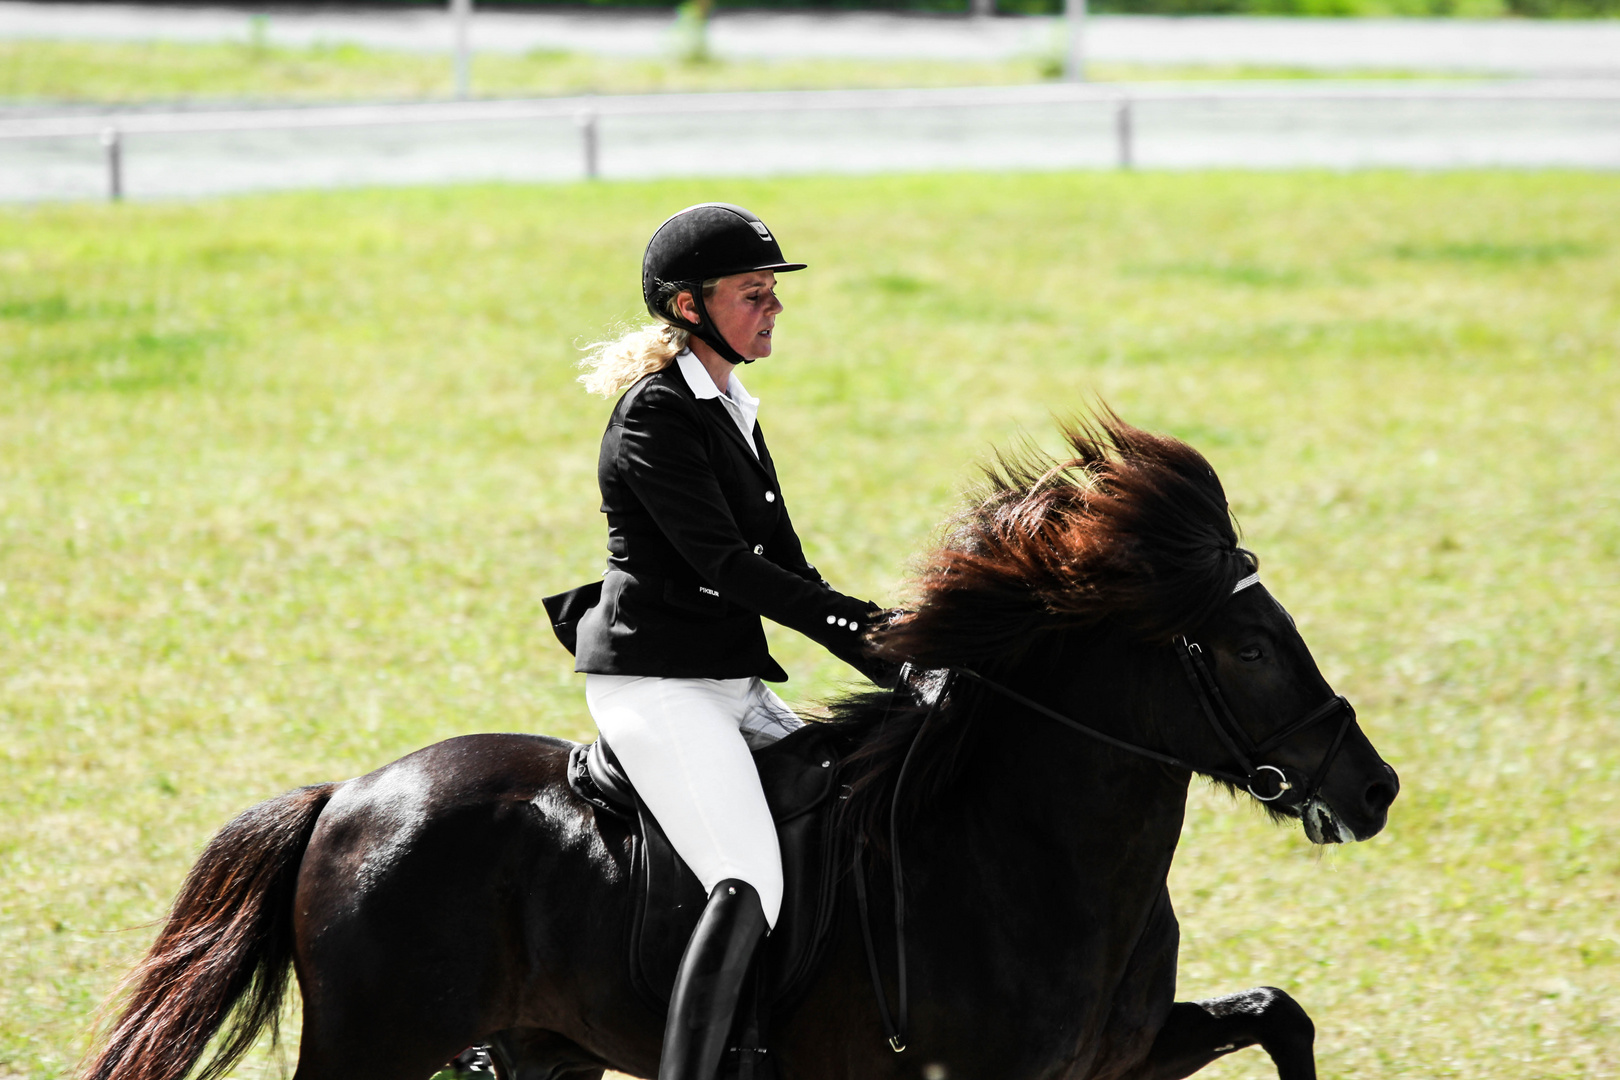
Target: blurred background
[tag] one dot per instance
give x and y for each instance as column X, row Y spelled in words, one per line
column 116, row 100
column 292, row 299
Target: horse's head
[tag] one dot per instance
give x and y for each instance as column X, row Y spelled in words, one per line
column 1270, row 719
column 1129, row 548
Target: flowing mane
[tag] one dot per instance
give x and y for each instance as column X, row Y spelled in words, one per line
column 1130, row 537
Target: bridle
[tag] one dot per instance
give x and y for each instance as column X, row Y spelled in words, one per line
column 1255, row 778
column 1243, row 750
column 1236, row 740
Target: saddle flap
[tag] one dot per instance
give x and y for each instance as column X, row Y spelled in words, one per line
column 799, row 774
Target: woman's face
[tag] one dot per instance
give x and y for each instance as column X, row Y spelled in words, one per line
column 743, row 308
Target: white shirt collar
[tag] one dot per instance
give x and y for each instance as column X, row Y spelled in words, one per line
column 743, row 407
column 697, row 377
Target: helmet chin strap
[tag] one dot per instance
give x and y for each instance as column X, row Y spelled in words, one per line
column 705, row 330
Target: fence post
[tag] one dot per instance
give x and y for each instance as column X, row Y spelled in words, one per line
column 588, row 138
column 113, row 142
column 461, row 15
column 1122, row 132
column 1074, row 54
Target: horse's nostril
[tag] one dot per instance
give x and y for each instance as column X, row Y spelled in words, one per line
column 1382, row 792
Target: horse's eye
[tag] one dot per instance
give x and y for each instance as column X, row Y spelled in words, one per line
column 1250, row 654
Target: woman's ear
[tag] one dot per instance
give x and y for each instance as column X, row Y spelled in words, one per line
column 685, row 307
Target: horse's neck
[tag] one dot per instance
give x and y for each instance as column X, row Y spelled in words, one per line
column 1092, row 806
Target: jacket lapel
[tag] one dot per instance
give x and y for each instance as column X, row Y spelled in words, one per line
column 715, row 411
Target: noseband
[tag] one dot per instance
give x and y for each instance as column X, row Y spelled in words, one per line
column 1256, row 779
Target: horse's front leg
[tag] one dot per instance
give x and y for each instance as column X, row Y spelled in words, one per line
column 1198, row 1032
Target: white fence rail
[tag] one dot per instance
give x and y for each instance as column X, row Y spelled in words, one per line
column 1423, row 124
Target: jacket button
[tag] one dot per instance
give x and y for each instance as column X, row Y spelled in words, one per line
column 843, row 622
column 770, row 496
column 759, row 549
column 853, row 625
column 831, row 619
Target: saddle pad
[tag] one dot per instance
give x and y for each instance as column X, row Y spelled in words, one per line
column 799, row 776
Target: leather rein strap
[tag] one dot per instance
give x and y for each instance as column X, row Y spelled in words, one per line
column 894, row 1028
column 1069, row 722
column 1211, row 703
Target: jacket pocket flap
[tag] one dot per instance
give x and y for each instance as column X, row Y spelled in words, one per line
column 565, row 609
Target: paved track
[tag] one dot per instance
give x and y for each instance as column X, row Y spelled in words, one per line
column 1516, row 47
column 1014, row 128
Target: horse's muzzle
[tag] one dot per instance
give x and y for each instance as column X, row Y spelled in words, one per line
column 1326, row 825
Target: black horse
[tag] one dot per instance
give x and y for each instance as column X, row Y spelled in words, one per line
column 464, row 894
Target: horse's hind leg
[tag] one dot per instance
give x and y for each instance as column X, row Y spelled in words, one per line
column 1196, row 1033
column 527, row 1054
column 374, row 1052
column 369, row 1062
column 354, row 1029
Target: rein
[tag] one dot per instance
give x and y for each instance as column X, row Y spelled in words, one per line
column 895, row 1031
column 1211, row 703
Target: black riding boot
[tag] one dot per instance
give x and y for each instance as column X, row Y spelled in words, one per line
column 709, row 981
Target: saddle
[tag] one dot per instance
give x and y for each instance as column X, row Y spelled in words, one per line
column 799, row 775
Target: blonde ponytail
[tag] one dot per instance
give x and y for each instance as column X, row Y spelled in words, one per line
column 610, row 366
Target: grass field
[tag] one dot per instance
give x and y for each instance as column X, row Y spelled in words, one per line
column 283, row 478
column 166, row 71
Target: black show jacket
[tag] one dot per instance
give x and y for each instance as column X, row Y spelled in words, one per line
column 699, row 547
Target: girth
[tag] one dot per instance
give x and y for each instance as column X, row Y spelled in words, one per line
column 799, row 777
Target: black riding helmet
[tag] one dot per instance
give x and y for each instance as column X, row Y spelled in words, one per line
column 710, row 240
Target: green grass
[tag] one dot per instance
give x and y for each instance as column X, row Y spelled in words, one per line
column 283, row 478
column 161, row 71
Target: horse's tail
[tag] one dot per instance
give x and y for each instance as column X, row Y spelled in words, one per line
column 229, row 937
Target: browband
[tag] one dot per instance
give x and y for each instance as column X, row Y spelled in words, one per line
column 1252, row 579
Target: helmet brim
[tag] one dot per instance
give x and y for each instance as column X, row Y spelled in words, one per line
column 778, row 268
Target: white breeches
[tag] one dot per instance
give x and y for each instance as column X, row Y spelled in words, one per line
column 685, row 744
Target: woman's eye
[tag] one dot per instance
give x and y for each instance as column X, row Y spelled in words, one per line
column 1251, row 654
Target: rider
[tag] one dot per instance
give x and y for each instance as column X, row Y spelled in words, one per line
column 699, row 548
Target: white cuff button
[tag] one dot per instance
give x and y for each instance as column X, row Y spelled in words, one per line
column 843, row 622
column 770, row 496
column 831, row 619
